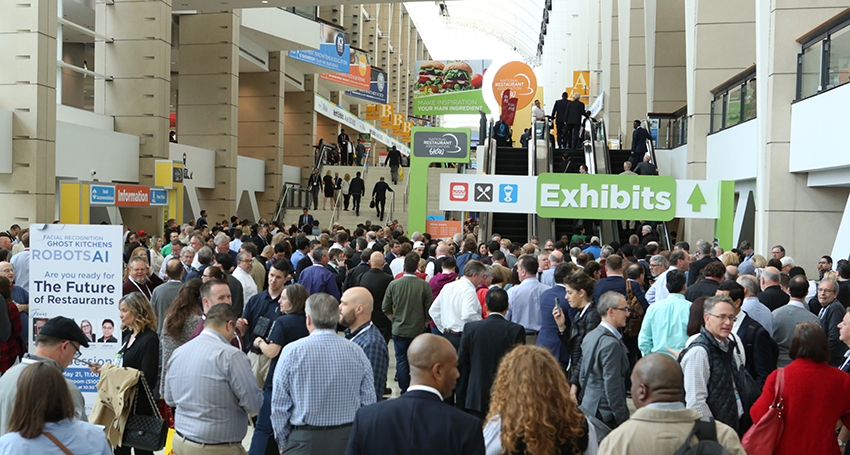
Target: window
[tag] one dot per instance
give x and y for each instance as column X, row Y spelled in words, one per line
column 733, row 106
column 734, row 101
column 824, row 61
column 749, row 100
column 839, row 58
column 717, row 113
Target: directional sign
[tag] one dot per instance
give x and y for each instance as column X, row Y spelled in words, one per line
column 697, row 199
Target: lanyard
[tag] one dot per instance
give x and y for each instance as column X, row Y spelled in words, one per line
column 361, row 331
column 148, row 295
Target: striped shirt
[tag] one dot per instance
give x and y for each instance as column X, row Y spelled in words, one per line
column 211, row 384
column 321, row 380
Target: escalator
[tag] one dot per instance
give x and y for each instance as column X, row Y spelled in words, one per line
column 511, row 161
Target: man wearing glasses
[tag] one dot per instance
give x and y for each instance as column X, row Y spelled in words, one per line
column 242, row 272
column 58, row 343
column 831, row 313
column 606, row 365
column 710, row 387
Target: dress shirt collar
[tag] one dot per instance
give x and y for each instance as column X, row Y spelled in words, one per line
column 410, row 274
column 798, row 304
column 503, row 316
column 349, row 334
column 673, row 295
column 846, row 360
column 737, row 324
column 611, row 329
column 671, row 406
column 751, row 300
column 213, row 333
column 323, row 332
column 528, row 278
column 425, row 388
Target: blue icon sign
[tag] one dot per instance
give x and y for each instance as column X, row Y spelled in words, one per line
column 508, row 193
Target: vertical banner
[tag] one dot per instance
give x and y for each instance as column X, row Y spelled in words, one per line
column 75, row 271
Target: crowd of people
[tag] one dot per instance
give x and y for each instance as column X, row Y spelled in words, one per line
column 556, row 347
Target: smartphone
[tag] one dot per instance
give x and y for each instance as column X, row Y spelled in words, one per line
column 558, row 304
column 90, row 364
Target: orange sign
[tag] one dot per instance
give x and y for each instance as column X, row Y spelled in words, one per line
column 443, row 229
column 359, row 72
column 132, row 196
column 519, row 78
column 398, row 124
column 372, row 112
column 581, row 84
column 386, row 115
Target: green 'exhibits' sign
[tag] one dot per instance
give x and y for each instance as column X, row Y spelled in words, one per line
column 606, row 197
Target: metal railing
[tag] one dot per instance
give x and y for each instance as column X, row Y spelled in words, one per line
column 291, row 195
column 405, row 196
column 663, row 234
column 335, row 209
column 389, row 212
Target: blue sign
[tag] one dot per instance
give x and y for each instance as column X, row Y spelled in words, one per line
column 159, row 196
column 508, row 193
column 335, row 55
column 377, row 92
column 102, row 194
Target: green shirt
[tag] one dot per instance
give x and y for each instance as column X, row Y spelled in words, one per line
column 408, row 299
column 665, row 325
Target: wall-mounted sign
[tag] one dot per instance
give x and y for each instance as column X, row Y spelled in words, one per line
column 487, row 193
column 359, row 71
column 377, row 90
column 519, row 78
column 158, row 196
column 101, row 195
column 449, row 87
column 132, row 196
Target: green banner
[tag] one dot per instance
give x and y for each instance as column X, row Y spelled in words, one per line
column 465, row 102
column 606, row 197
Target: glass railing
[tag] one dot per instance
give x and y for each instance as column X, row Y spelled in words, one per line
column 734, row 104
column 824, row 62
column 669, row 130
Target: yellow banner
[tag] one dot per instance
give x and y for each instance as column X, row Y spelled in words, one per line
column 386, row 111
column 581, row 84
column 372, row 112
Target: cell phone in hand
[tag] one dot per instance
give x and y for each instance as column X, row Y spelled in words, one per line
column 89, row 364
column 558, row 304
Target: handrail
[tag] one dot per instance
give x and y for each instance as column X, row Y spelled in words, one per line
column 365, row 160
column 335, row 209
column 388, row 213
column 664, row 236
column 650, row 147
column 282, row 201
column 406, row 194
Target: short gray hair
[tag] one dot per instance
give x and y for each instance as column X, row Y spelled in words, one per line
column 187, row 249
column 608, row 300
column 323, row 310
column 221, row 238
column 750, row 283
column 711, row 302
column 770, row 276
column 659, row 259
column 205, row 255
column 319, row 253
column 704, row 247
column 241, row 256
column 786, row 261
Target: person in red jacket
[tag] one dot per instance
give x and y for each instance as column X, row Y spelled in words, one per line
column 816, row 396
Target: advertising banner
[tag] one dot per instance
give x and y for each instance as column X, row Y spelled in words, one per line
column 581, row 85
column 449, row 87
column 377, row 89
column 333, row 53
column 340, row 115
column 487, row 193
column 508, row 107
column 75, row 272
column 386, row 116
column 372, row 112
column 359, row 71
column 443, row 229
column 519, row 78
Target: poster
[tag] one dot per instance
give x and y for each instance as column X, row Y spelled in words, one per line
column 519, row 78
column 449, row 87
column 443, row 229
column 359, row 71
column 334, row 51
column 377, row 90
column 75, row 271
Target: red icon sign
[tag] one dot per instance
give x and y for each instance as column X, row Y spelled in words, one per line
column 459, row 192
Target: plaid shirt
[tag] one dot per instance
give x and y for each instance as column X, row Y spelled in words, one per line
column 368, row 337
column 12, row 349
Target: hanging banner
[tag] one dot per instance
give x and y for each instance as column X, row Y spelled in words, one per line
column 372, row 112
column 386, row 116
column 508, row 107
column 75, row 272
column 581, row 85
column 449, row 87
column 519, row 78
column 335, row 112
column 377, row 89
column 359, row 71
column 597, row 105
column 333, row 54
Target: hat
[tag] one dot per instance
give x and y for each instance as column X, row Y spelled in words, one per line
column 141, row 233
column 64, row 329
column 747, row 268
column 418, row 244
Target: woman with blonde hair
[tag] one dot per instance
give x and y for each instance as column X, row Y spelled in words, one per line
column 531, row 411
column 729, row 258
column 346, row 185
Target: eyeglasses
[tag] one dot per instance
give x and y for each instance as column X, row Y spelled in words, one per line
column 622, row 309
column 826, row 291
column 724, row 317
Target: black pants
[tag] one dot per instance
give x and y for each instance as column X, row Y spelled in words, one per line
column 356, row 204
column 380, row 205
column 563, row 137
column 574, row 131
column 345, row 199
column 343, row 153
column 315, row 193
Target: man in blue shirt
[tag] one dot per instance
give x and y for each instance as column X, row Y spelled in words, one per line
column 525, row 299
column 355, row 314
column 666, row 322
column 317, row 278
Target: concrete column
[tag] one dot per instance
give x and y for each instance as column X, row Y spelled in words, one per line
column 610, row 43
column 300, row 129
column 28, row 88
column 354, row 23
column 632, row 67
column 261, row 132
column 369, row 28
column 719, row 45
column 208, row 97
column 333, row 13
column 666, row 73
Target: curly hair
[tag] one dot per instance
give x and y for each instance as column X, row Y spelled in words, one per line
column 533, row 400
column 185, row 305
column 140, row 307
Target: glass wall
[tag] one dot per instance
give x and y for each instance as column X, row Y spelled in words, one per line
column 809, row 70
column 824, row 63
column 749, row 103
column 734, row 104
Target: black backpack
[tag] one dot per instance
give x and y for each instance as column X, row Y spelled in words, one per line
column 705, row 430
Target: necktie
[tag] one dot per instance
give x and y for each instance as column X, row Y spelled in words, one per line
column 822, row 312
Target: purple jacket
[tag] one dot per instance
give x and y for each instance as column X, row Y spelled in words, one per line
column 439, row 280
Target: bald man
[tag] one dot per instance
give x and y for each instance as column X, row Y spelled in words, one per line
column 661, row 422
column 547, row 277
column 376, row 281
column 355, row 313
column 419, row 423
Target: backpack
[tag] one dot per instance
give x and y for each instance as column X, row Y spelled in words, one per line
column 636, row 312
column 706, row 432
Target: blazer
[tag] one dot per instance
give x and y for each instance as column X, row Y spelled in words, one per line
column 762, row 354
column 548, row 335
column 559, row 111
column 376, row 282
column 305, row 220
column 618, row 284
column 416, row 423
column 604, row 369
column 829, row 322
column 696, row 267
column 773, row 297
column 706, row 287
column 575, row 112
column 482, row 346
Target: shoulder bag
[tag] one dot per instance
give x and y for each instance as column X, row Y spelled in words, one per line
column 763, row 437
column 58, row 444
column 145, row 432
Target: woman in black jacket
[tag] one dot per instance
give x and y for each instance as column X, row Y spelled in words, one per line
column 580, row 294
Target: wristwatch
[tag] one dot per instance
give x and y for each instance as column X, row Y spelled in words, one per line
column 257, row 343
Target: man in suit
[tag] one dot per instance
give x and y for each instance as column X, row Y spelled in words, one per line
column 314, row 184
column 616, row 282
column 704, row 253
column 575, row 113
column 559, row 115
column 713, row 276
column 361, row 267
column 357, row 189
column 376, row 281
column 360, row 153
column 788, row 316
column 605, row 365
column 549, row 338
column 482, row 345
column 419, row 423
column 379, row 195
column 342, row 140
column 844, row 330
column 305, row 219
column 772, row 295
column 830, row 314
column 393, row 160
column 646, row 167
column 639, row 138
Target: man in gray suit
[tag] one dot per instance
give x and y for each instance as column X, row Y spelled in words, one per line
column 786, row 318
column 163, row 296
column 604, row 370
column 830, row 315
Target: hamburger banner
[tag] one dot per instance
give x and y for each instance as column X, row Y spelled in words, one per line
column 449, row 87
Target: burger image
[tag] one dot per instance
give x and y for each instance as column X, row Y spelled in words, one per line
column 457, row 77
column 430, row 77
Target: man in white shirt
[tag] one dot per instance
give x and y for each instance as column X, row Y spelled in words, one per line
column 458, row 304
column 658, row 291
column 242, row 272
column 442, row 251
column 537, row 112
column 397, row 264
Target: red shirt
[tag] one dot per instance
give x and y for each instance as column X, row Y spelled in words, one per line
column 481, row 292
column 419, row 274
column 816, row 396
column 13, row 348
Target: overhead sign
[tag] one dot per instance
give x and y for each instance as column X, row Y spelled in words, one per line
column 488, row 193
column 372, row 112
column 340, row 115
column 437, row 143
column 377, row 90
column 359, row 71
column 443, row 229
column 101, row 195
column 132, row 196
column 333, row 54
column 386, row 115
column 519, row 78
column 449, row 87
column 697, row 199
column 75, row 272
column 159, row 196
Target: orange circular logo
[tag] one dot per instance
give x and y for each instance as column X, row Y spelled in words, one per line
column 520, row 79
